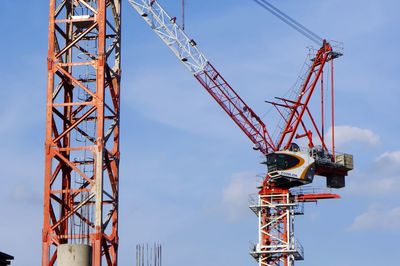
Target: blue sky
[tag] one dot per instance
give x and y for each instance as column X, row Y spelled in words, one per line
column 186, row 170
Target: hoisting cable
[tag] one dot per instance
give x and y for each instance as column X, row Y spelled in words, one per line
column 289, row 21
column 183, row 14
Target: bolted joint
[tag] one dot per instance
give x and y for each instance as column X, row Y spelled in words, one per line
column 101, row 59
column 50, row 64
column 45, row 235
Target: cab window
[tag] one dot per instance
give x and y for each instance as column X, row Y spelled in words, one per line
column 281, row 162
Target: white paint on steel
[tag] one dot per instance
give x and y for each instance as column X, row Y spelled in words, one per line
column 98, row 187
column 171, row 34
column 282, row 246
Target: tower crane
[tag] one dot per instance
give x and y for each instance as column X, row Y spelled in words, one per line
column 81, row 177
column 288, row 165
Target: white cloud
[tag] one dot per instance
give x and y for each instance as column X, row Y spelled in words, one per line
column 376, row 186
column 236, row 194
column 349, row 134
column 377, row 218
column 394, row 156
column 389, row 163
column 382, row 180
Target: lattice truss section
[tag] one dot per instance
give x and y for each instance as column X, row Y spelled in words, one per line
column 296, row 114
column 187, row 51
column 82, row 131
column 277, row 245
column 171, row 34
column 236, row 108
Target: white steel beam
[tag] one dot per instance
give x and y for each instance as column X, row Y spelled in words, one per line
column 171, row 34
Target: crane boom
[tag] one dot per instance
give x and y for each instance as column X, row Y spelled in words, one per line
column 187, row 51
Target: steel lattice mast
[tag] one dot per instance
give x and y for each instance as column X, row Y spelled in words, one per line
column 276, row 242
column 82, row 129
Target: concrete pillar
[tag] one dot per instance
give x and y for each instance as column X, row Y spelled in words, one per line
column 74, row 255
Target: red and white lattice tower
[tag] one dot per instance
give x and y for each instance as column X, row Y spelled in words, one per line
column 276, row 243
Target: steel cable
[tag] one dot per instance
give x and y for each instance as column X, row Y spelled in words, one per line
column 289, row 21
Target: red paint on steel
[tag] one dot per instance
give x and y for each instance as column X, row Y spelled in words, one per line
column 300, row 106
column 316, row 197
column 82, row 125
column 236, row 108
column 333, row 111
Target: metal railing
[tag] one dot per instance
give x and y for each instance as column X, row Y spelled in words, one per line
column 309, row 190
column 298, row 249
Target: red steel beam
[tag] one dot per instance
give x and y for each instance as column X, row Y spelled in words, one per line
column 315, row 197
column 300, row 106
column 83, row 102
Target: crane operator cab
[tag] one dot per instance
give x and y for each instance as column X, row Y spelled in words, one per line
column 293, row 167
column 290, row 168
